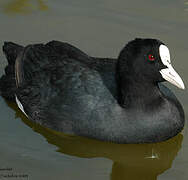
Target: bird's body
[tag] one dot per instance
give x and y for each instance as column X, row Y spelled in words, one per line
column 62, row 88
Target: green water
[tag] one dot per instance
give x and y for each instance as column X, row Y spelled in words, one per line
column 100, row 28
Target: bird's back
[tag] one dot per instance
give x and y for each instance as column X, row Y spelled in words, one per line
column 57, row 90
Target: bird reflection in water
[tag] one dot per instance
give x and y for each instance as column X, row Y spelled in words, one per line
column 25, row 6
column 130, row 161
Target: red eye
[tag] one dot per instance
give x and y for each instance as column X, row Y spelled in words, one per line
column 151, row 57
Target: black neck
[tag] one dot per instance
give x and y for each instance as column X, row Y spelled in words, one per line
column 135, row 92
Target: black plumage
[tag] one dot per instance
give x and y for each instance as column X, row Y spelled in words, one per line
column 119, row 100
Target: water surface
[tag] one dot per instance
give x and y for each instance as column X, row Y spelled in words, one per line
column 100, row 28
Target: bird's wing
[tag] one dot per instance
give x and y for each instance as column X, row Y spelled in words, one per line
column 54, row 89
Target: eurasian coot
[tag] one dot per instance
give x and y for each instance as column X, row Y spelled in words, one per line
column 119, row 100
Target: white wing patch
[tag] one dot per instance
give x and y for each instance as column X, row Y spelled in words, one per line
column 20, row 105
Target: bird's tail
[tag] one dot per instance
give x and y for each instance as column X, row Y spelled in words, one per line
column 7, row 81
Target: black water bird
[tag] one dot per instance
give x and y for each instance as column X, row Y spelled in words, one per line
column 119, row 100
